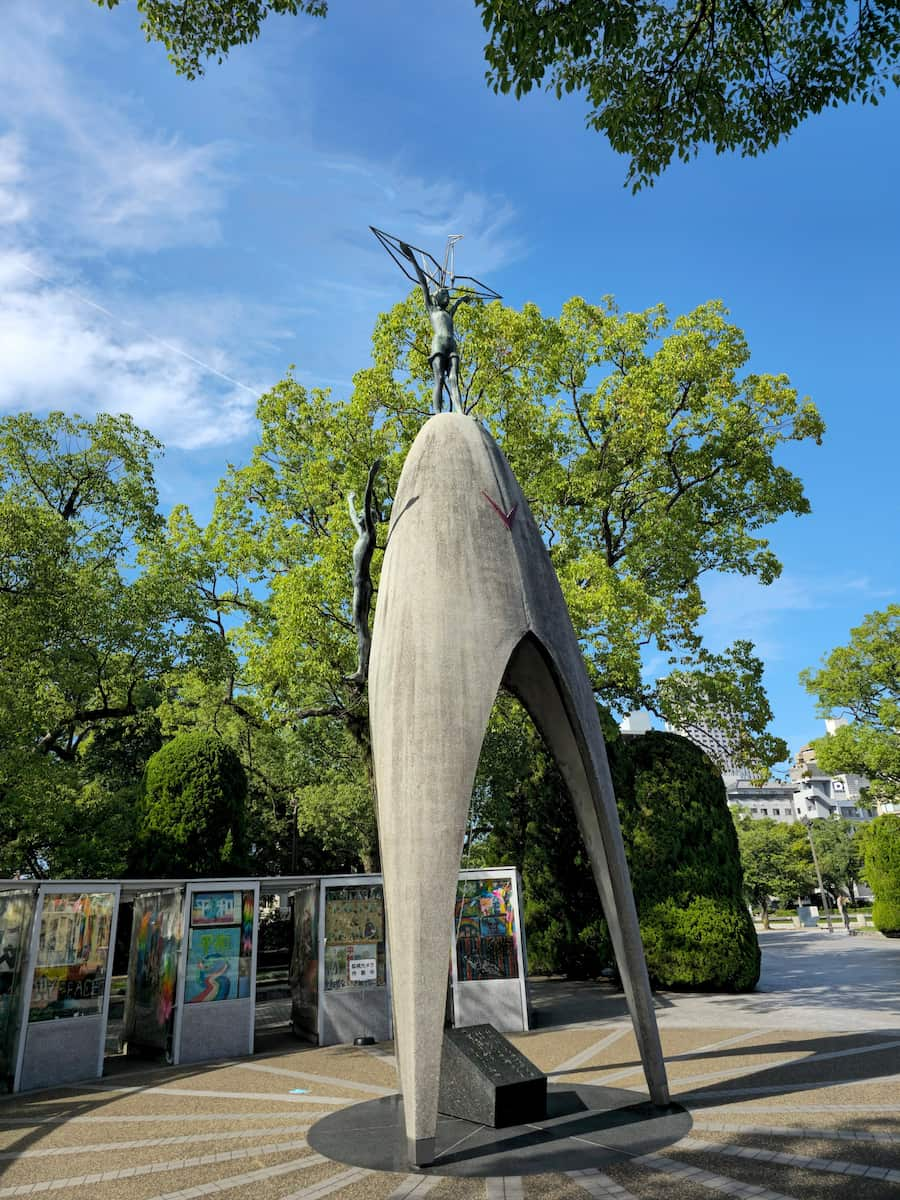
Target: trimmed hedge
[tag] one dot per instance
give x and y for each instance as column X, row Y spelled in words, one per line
column 685, row 865
column 195, row 790
column 682, row 851
column 881, row 851
column 707, row 943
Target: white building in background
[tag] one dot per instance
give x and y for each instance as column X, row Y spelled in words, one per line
column 719, row 744
column 808, row 795
column 636, row 722
column 773, row 799
column 818, row 794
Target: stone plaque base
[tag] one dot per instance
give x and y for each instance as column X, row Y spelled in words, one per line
column 485, row 1079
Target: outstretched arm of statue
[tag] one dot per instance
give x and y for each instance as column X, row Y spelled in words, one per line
column 420, row 274
column 355, row 517
column 463, row 299
column 370, row 517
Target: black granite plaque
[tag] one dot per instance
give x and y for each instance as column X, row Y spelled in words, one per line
column 485, row 1079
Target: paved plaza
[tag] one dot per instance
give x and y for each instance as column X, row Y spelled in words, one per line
column 792, row 1092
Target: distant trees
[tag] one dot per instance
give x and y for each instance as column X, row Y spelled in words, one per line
column 839, row 850
column 776, row 860
column 862, row 679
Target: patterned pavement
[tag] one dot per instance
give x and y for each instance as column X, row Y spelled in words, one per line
column 779, row 1113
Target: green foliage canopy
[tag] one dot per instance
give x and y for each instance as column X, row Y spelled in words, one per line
column 665, row 78
column 651, row 458
column 84, row 636
column 862, row 679
column 193, row 32
column 660, row 78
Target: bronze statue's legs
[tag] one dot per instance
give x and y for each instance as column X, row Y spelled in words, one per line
column 437, row 398
column 453, row 383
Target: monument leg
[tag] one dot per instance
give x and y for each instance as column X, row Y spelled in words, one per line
column 421, row 844
column 573, row 744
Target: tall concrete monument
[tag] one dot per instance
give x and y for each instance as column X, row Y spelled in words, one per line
column 469, row 601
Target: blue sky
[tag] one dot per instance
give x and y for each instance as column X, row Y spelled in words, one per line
column 168, row 248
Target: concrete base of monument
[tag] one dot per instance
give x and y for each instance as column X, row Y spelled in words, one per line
column 586, row 1127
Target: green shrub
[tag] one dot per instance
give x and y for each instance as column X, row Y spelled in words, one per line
column 708, row 943
column 886, row 917
column 881, row 851
column 685, row 867
column 195, row 790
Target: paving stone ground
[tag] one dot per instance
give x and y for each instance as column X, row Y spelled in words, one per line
column 794, row 1092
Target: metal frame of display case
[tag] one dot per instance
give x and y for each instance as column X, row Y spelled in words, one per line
column 17, row 1008
column 383, row 994
column 227, row 1045
column 51, row 888
column 508, row 990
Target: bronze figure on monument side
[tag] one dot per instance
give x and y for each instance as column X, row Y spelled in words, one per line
column 444, row 291
column 364, row 523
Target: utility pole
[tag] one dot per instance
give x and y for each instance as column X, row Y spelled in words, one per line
column 819, row 875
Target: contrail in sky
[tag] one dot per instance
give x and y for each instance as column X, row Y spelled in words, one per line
column 134, row 325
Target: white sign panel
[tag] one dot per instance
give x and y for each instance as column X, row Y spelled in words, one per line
column 362, row 970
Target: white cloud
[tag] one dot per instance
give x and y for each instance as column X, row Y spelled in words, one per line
column 101, row 179
column 739, row 607
column 422, row 212
column 58, row 352
column 91, row 187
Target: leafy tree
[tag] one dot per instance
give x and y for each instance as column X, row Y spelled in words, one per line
column 193, row 32
column 862, row 679
column 775, row 858
column 839, row 851
column 83, row 634
column 193, row 810
column 660, row 78
column 664, row 79
column 881, row 848
column 649, row 457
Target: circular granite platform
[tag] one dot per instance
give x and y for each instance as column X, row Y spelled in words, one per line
column 585, row 1128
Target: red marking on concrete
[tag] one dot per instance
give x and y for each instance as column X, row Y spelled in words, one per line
column 506, row 517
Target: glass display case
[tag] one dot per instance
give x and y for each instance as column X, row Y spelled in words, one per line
column 486, row 929
column 70, row 969
column 488, row 967
column 354, row 936
column 152, row 971
column 303, row 976
column 220, row 946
